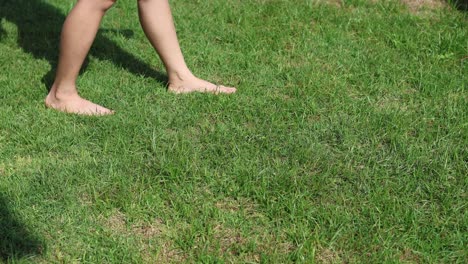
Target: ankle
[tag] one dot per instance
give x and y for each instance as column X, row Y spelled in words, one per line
column 180, row 76
column 63, row 91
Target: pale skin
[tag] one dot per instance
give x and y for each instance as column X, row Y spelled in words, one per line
column 78, row 33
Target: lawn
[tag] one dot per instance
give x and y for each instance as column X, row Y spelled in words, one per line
column 346, row 142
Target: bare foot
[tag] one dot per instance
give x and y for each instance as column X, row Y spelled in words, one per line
column 74, row 104
column 194, row 84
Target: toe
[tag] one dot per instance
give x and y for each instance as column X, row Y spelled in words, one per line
column 227, row 90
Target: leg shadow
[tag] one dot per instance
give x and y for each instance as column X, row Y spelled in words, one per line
column 15, row 240
column 39, row 25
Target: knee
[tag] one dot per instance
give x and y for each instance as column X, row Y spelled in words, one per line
column 103, row 5
column 144, row 1
column 106, row 4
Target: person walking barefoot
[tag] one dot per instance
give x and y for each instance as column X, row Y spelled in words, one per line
column 78, row 33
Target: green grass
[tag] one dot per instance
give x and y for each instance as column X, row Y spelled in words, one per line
column 346, row 141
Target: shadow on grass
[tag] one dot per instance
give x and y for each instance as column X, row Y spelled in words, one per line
column 15, row 240
column 39, row 26
column 460, row 4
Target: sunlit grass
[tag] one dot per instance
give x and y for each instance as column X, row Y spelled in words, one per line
column 346, row 141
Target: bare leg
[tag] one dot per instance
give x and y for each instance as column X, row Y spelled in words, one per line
column 78, row 33
column 157, row 22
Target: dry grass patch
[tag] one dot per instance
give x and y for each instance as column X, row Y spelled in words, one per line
column 269, row 243
column 167, row 253
column 153, row 238
column 239, row 205
column 22, row 162
column 408, row 256
column 149, row 230
column 417, row 6
column 336, row 3
column 328, row 256
column 19, row 164
column 85, row 199
column 391, row 102
column 229, row 205
column 156, row 244
column 228, row 239
column 246, row 245
column 117, row 222
column 230, row 242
